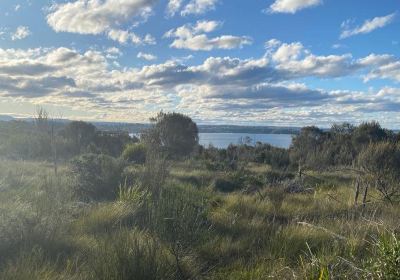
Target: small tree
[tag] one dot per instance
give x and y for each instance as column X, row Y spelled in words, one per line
column 380, row 163
column 306, row 147
column 80, row 134
column 173, row 133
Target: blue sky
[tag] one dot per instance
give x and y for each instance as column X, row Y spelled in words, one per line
column 260, row 62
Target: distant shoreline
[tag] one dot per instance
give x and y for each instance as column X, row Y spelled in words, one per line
column 134, row 128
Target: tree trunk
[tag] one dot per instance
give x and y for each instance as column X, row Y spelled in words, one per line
column 357, row 185
column 300, row 170
column 365, row 194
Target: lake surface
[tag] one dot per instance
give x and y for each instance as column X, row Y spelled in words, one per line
column 222, row 140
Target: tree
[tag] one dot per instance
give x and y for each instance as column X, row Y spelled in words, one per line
column 368, row 132
column 174, row 133
column 380, row 163
column 43, row 133
column 338, row 149
column 306, row 146
column 80, row 134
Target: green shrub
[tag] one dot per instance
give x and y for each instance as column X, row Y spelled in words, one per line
column 96, row 176
column 237, row 180
column 135, row 153
column 386, row 261
column 226, row 185
column 274, row 176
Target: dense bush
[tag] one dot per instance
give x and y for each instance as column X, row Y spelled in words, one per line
column 112, row 144
column 96, row 176
column 235, row 156
column 135, row 153
column 277, row 158
column 319, row 149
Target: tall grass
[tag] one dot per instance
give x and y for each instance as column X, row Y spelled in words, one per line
column 172, row 227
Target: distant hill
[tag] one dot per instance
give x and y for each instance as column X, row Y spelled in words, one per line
column 6, row 118
column 139, row 127
column 248, row 129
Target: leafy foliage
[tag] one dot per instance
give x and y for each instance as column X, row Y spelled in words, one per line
column 135, row 153
column 174, row 133
column 97, row 176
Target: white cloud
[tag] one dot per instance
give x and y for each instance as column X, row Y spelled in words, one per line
column 295, row 61
column 146, row 56
column 288, row 52
column 338, row 46
column 124, row 37
column 113, row 53
column 389, row 71
column 100, row 17
column 193, row 37
column 292, row 6
column 198, row 7
column 271, row 44
column 2, row 32
column 173, row 7
column 17, row 7
column 219, row 88
column 21, row 33
column 367, row 27
column 149, row 40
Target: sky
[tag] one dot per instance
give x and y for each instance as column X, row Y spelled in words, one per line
column 249, row 62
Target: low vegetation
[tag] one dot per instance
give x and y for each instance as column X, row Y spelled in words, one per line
column 78, row 203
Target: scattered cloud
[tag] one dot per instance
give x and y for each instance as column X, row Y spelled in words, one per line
column 173, row 7
column 367, row 27
column 21, row 33
column 338, row 46
column 192, row 7
column 222, row 88
column 113, row 53
column 194, row 37
column 292, row 6
column 198, row 7
column 146, row 56
column 124, row 37
column 17, row 7
column 390, row 71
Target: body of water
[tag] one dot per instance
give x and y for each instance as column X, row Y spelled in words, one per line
column 222, row 140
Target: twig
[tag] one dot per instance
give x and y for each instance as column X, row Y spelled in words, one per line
column 352, row 265
column 323, row 229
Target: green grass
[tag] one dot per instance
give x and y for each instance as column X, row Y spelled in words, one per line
column 190, row 230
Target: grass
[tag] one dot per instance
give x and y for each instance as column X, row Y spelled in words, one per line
column 191, row 230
